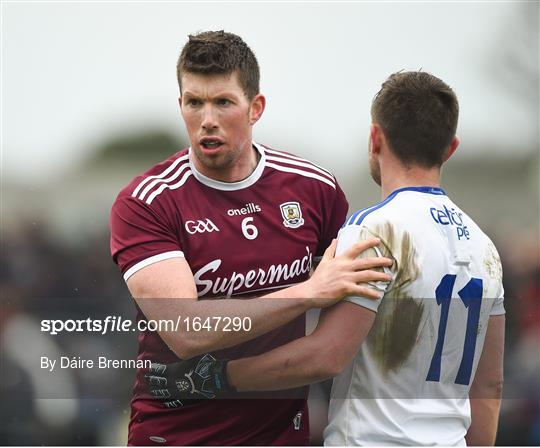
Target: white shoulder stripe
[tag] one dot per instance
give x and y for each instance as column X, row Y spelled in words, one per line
column 152, row 184
column 301, row 173
column 159, row 176
column 290, row 156
column 304, row 164
column 151, row 260
column 162, row 187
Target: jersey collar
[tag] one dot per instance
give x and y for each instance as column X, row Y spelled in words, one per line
column 231, row 186
column 428, row 190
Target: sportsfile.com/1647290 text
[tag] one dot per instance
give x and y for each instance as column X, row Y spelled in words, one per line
column 118, row 324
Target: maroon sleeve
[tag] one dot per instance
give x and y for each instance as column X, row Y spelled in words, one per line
column 139, row 232
column 334, row 214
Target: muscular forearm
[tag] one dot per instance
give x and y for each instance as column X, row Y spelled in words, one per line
column 485, row 418
column 298, row 363
column 322, row 355
column 262, row 314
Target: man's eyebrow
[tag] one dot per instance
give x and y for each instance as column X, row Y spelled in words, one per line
column 224, row 93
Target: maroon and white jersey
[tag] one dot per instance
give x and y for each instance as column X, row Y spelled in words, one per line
column 243, row 238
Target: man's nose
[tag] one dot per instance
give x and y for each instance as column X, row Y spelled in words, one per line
column 209, row 120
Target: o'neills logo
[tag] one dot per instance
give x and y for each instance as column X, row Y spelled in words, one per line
column 254, row 278
column 246, row 210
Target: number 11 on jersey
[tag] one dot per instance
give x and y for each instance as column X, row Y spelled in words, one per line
column 471, row 296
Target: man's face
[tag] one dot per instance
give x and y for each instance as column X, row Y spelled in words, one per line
column 219, row 119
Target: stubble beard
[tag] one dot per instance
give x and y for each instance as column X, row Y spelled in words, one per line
column 375, row 170
column 219, row 162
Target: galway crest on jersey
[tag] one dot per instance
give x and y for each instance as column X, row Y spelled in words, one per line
column 292, row 214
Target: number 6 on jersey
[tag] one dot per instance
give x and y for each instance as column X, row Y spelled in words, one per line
column 249, row 230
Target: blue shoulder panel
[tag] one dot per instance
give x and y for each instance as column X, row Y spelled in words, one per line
column 357, row 217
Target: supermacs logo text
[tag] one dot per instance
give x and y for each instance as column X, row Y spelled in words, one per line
column 254, row 278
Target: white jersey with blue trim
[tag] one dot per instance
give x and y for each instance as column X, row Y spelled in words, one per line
column 409, row 382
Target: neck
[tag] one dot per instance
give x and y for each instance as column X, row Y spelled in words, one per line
column 403, row 177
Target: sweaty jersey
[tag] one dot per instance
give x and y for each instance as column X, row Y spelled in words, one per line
column 240, row 239
column 409, row 382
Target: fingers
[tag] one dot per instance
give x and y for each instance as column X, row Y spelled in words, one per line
column 368, row 293
column 156, row 383
column 330, row 251
column 360, row 284
column 370, row 263
column 370, row 276
column 173, row 404
column 153, row 380
column 157, row 368
column 160, row 394
column 357, row 248
column 167, row 384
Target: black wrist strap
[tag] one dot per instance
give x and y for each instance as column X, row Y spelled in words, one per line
column 221, row 376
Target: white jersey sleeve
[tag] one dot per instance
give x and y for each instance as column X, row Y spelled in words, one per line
column 351, row 235
column 494, row 270
column 498, row 305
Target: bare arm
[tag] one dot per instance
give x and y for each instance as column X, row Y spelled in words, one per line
column 321, row 355
column 486, row 390
column 155, row 286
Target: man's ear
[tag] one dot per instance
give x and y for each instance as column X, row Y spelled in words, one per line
column 258, row 104
column 375, row 137
column 452, row 148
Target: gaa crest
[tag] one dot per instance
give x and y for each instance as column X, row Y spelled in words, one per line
column 292, row 214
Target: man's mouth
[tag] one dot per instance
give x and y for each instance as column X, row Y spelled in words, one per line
column 210, row 143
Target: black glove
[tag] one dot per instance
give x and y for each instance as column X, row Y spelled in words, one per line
column 198, row 378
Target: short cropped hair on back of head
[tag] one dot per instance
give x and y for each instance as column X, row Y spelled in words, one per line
column 418, row 114
column 220, row 53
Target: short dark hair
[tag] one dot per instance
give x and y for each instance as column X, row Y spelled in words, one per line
column 418, row 114
column 220, row 53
